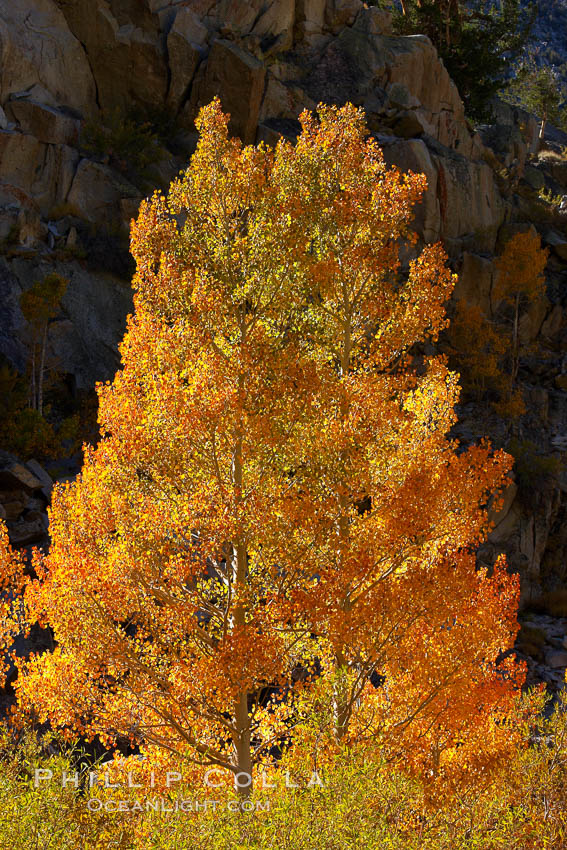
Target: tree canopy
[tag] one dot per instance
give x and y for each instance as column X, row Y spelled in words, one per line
column 275, row 513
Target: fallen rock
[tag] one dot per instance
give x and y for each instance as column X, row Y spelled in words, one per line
column 534, row 178
column 409, row 124
column 312, row 11
column 341, row 13
column 35, row 505
column 532, row 320
column 97, row 304
column 96, row 192
column 376, row 21
column 47, row 124
column 471, row 207
column 84, row 343
column 413, row 155
column 233, row 16
column 558, row 243
column 189, row 25
column 504, row 113
column 507, row 525
column 508, row 144
column 25, row 532
column 39, row 472
column 14, row 476
column 507, row 500
column 283, row 100
column 129, row 209
column 43, row 173
column 275, row 26
column 359, row 61
column 22, row 157
column 553, row 322
column 556, row 659
column 13, row 504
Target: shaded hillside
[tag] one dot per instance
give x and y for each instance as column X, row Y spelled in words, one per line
column 548, row 42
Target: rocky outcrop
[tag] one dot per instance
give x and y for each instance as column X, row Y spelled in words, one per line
column 266, row 60
column 39, row 54
column 185, row 48
column 96, row 192
column 122, row 44
column 47, row 124
column 542, row 644
column 25, row 491
column 240, row 77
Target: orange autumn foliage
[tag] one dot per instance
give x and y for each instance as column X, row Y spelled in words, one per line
column 521, row 269
column 391, row 509
column 274, row 491
column 477, row 347
column 487, row 348
column 12, row 582
column 519, row 282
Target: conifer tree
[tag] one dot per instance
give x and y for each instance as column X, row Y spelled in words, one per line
column 477, row 41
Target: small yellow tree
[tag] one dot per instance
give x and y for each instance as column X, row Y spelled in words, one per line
column 40, row 305
column 476, row 347
column 519, row 282
column 487, row 350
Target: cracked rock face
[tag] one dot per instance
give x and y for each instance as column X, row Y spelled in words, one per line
column 37, row 49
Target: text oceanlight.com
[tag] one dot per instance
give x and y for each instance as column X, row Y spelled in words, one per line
column 166, row 806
